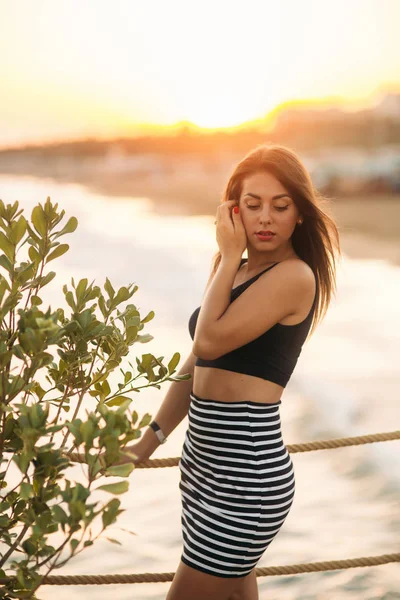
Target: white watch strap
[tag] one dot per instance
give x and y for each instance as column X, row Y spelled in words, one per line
column 156, row 428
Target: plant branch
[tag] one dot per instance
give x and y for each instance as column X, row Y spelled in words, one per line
column 5, row 557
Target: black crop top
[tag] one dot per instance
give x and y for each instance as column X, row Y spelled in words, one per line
column 272, row 356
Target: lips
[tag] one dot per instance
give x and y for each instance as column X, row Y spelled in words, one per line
column 265, row 232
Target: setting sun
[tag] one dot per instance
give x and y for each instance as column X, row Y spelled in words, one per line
column 216, row 65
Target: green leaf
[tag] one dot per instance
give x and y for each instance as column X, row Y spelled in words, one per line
column 26, row 490
column 149, row 317
column 6, row 246
column 181, row 377
column 111, row 512
column 109, row 288
column 173, row 362
column 34, row 254
column 81, row 288
column 69, row 297
column 87, row 430
column 113, row 541
column 34, row 237
column 18, row 229
column 115, row 488
column 117, row 401
column 122, row 295
column 54, row 428
column 18, row 351
column 127, row 530
column 29, row 547
column 145, row 420
column 120, row 470
column 47, row 278
column 70, row 227
column 131, row 334
column 143, row 339
column 57, row 252
column 39, row 220
column 106, row 388
column 4, row 262
column 59, row 514
column 4, row 522
column 3, row 287
column 102, row 306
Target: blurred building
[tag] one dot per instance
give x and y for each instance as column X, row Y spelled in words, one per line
column 349, row 170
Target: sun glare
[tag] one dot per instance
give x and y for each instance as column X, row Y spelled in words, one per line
column 215, row 64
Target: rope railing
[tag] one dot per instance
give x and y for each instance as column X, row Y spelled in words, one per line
column 293, row 448
column 364, row 561
column 329, row 565
column 155, row 463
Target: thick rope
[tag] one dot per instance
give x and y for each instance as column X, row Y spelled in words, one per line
column 330, row 565
column 154, row 463
column 293, row 448
column 365, row 561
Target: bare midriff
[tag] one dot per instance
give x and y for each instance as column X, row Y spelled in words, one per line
column 229, row 386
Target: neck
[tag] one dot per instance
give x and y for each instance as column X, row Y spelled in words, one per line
column 260, row 260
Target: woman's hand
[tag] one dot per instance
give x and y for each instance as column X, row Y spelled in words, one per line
column 137, row 453
column 230, row 232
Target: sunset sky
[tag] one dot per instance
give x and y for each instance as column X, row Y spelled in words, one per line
column 72, row 68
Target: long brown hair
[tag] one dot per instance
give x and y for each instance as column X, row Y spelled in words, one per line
column 316, row 240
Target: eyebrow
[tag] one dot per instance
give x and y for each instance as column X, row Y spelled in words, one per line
column 274, row 197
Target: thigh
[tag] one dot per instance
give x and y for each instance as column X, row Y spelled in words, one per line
column 191, row 584
column 247, row 588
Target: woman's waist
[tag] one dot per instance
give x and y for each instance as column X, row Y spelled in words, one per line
column 231, row 386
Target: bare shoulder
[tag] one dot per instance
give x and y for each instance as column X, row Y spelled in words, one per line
column 295, row 267
column 297, row 275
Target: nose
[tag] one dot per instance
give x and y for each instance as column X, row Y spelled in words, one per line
column 265, row 216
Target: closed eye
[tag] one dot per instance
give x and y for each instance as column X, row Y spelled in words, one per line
column 280, row 208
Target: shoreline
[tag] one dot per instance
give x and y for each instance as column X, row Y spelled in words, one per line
column 371, row 233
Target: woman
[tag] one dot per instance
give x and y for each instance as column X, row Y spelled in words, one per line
column 237, row 480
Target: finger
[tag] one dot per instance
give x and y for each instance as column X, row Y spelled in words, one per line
column 227, row 204
column 226, row 210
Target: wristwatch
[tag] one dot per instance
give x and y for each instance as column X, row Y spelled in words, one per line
column 156, row 428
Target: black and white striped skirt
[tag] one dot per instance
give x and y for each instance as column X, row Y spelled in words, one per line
column 237, row 484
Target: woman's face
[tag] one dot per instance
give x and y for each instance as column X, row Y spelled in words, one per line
column 267, row 206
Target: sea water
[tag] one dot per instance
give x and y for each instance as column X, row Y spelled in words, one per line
column 346, row 383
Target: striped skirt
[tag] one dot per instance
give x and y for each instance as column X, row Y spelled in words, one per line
column 237, row 484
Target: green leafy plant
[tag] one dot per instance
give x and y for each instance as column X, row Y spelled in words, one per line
column 52, row 363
